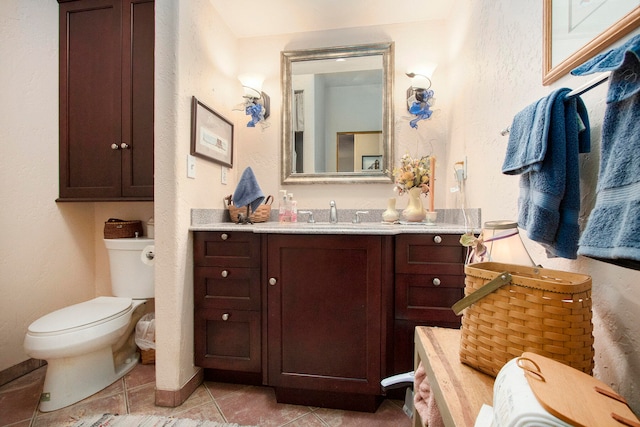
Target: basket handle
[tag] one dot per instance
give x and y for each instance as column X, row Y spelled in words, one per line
column 501, row 280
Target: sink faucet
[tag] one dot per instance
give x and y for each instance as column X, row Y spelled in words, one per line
column 333, row 212
column 310, row 219
column 357, row 220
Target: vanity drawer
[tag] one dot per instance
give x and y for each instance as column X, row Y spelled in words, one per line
column 226, row 249
column 418, row 298
column 227, row 288
column 429, row 254
column 230, row 340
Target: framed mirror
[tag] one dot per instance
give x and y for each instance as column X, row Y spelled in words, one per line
column 337, row 114
column 575, row 31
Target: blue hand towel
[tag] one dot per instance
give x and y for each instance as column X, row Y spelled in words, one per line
column 549, row 200
column 248, row 191
column 528, row 137
column 612, row 233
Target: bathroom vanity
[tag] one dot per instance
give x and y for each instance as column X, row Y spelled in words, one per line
column 320, row 312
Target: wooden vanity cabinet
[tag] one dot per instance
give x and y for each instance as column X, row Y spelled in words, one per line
column 328, row 304
column 429, row 279
column 106, row 82
column 227, row 305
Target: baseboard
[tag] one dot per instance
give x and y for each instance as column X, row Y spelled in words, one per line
column 22, row 368
column 174, row 398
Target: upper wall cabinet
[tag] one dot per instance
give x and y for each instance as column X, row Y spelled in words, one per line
column 106, row 100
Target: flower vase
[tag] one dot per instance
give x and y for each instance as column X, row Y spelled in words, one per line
column 391, row 214
column 414, row 212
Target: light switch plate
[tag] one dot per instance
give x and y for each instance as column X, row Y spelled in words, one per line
column 191, row 166
column 223, row 175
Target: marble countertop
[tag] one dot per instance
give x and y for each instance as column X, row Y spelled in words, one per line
column 210, row 220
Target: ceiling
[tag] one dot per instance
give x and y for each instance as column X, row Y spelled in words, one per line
column 255, row 18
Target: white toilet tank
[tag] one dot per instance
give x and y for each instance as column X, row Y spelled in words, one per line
column 131, row 266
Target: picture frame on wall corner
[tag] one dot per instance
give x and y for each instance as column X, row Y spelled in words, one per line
column 211, row 134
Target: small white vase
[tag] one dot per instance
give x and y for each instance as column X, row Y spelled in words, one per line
column 414, row 212
column 391, row 214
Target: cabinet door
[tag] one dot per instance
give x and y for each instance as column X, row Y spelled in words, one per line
column 324, row 313
column 90, row 99
column 106, row 99
column 137, row 107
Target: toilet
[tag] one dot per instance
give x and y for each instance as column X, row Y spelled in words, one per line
column 90, row 345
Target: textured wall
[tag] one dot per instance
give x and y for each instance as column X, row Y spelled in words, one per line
column 496, row 71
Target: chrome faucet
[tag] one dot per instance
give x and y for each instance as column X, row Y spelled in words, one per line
column 310, row 219
column 333, row 212
column 357, row 219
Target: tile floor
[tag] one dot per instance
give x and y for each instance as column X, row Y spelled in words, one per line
column 134, row 394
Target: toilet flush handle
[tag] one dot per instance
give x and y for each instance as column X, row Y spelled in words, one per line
column 149, row 255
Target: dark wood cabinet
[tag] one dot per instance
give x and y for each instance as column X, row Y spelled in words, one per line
column 106, row 99
column 429, row 279
column 321, row 318
column 227, row 305
column 326, row 308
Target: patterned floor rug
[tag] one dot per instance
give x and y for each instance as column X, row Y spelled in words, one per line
column 109, row 420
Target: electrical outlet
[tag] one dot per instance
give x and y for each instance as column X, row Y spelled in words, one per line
column 223, row 175
column 191, row 166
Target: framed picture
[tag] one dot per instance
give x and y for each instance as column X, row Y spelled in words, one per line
column 576, row 30
column 372, row 163
column 211, row 134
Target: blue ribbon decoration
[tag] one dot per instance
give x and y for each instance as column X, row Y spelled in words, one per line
column 256, row 111
column 422, row 110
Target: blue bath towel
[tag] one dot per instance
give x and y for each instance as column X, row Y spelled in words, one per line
column 612, row 233
column 546, row 157
column 248, row 191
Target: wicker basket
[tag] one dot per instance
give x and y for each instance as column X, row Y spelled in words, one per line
column 118, row 229
column 543, row 311
column 148, row 357
column 261, row 214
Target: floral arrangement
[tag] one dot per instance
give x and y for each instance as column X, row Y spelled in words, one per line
column 412, row 173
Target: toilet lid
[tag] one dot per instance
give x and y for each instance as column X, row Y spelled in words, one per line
column 97, row 310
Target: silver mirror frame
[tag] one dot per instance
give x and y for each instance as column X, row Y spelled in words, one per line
column 286, row 59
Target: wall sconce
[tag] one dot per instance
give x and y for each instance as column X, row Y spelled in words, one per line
column 257, row 103
column 420, row 95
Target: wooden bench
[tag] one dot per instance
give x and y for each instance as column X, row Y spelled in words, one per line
column 460, row 391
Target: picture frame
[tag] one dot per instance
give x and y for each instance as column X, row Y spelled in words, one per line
column 369, row 162
column 211, row 134
column 560, row 52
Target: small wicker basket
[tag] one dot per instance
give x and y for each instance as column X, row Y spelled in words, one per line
column 148, row 357
column 119, row 229
column 539, row 310
column 261, row 214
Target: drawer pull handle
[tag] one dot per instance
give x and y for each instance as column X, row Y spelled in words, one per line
column 115, row 146
column 224, row 273
column 225, row 316
column 273, row 281
column 436, row 281
column 224, row 236
column 124, row 145
column 437, row 239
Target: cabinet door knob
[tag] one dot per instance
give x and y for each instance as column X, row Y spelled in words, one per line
column 225, row 316
column 437, row 239
column 224, row 236
column 115, row 146
column 124, row 145
column 224, row 273
column 273, row 281
column 436, row 281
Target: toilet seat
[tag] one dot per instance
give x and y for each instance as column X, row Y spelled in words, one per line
column 81, row 316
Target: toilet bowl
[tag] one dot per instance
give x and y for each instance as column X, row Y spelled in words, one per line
column 90, row 345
